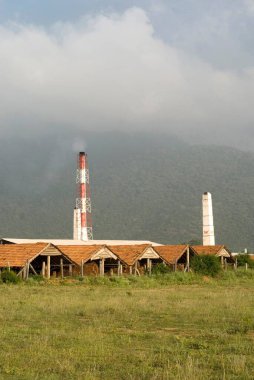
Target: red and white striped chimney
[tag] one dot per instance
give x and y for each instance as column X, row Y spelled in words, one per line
column 82, row 214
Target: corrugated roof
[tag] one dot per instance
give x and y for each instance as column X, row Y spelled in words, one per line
column 81, row 242
column 171, row 253
column 128, row 253
column 77, row 253
column 17, row 255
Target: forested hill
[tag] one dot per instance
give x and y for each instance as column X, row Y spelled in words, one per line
column 143, row 187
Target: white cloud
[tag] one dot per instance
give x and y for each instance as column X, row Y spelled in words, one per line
column 158, row 6
column 111, row 72
column 250, row 5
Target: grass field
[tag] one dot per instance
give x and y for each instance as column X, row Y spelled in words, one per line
column 175, row 327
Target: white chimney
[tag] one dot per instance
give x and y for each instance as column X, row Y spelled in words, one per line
column 208, row 227
column 77, row 224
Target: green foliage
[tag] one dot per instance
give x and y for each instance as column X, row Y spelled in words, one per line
column 37, row 277
column 8, row 276
column 239, row 275
column 243, row 259
column 160, row 268
column 35, row 280
column 194, row 242
column 207, row 265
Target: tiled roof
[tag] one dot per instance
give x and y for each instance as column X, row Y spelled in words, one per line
column 208, row 249
column 128, row 253
column 17, row 255
column 77, row 253
column 171, row 253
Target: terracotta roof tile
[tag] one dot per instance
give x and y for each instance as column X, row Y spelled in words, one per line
column 128, row 253
column 17, row 255
column 77, row 253
column 208, row 249
column 171, row 253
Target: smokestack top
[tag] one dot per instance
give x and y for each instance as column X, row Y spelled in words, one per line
column 207, row 195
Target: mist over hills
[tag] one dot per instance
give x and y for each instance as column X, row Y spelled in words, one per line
column 143, row 186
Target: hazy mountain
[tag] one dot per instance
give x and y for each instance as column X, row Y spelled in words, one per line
column 143, row 187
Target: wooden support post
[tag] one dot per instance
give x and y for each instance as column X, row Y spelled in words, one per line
column 70, row 270
column 148, row 266
column 48, row 266
column 246, row 266
column 236, row 263
column 222, row 261
column 24, row 273
column 175, row 266
column 61, row 267
column 20, row 273
column 102, row 261
column 27, row 269
column 33, row 270
column 130, row 269
column 82, row 268
column 136, row 268
column 43, row 269
column 119, row 268
column 188, row 259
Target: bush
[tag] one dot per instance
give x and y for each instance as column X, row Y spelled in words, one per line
column 206, row 265
column 160, row 269
column 35, row 280
column 8, row 276
column 243, row 259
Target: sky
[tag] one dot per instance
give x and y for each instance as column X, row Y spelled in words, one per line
column 180, row 66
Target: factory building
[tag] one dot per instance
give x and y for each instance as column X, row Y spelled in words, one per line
column 84, row 256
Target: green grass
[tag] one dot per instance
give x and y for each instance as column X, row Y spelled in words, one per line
column 178, row 326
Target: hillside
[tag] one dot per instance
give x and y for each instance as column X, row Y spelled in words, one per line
column 143, row 187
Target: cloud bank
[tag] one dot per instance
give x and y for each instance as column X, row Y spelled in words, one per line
column 111, row 72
